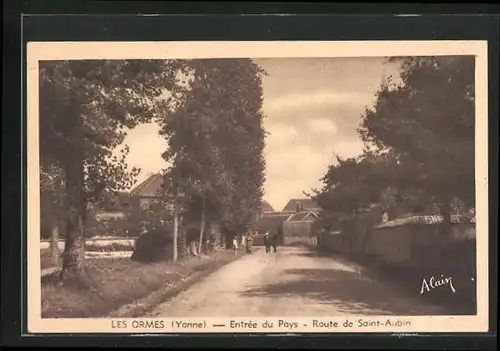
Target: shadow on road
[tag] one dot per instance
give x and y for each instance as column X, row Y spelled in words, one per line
column 349, row 291
column 311, row 253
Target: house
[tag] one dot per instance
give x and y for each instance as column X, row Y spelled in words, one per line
column 271, row 222
column 120, row 201
column 298, row 228
column 265, row 207
column 148, row 191
column 293, row 224
column 291, row 227
column 117, row 206
column 299, row 205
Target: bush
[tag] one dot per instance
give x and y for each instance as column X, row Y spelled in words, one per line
column 153, row 246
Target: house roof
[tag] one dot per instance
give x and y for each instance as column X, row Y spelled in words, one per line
column 305, row 204
column 270, row 222
column 426, row 220
column 278, row 213
column 266, row 207
column 301, row 216
column 150, row 187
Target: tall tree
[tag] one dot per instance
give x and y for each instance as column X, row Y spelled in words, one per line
column 216, row 140
column 428, row 121
column 350, row 185
column 85, row 108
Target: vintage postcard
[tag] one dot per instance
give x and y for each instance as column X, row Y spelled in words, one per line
column 257, row 187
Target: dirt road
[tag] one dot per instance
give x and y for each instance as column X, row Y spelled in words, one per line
column 292, row 282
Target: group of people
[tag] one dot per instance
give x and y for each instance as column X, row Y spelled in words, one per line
column 246, row 242
column 270, row 241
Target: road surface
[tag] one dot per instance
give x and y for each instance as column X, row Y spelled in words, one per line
column 293, row 282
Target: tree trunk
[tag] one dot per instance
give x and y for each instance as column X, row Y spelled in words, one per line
column 54, row 243
column 182, row 246
column 175, row 229
column 56, row 225
column 202, row 224
column 74, row 248
column 193, row 249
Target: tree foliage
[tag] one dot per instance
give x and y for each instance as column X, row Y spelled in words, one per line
column 428, row 121
column 216, row 138
column 419, row 139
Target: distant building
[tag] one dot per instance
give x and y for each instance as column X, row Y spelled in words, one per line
column 290, row 227
column 148, row 191
column 118, row 202
column 300, row 205
column 117, row 206
column 265, row 207
column 270, row 222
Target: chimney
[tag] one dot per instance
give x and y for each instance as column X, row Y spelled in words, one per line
column 298, row 207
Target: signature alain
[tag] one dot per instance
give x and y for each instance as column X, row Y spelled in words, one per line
column 434, row 283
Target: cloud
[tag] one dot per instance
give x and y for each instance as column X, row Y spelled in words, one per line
column 280, row 133
column 322, row 125
column 291, row 171
column 349, row 147
column 319, row 98
column 313, row 107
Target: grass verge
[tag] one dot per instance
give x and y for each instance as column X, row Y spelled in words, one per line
column 126, row 288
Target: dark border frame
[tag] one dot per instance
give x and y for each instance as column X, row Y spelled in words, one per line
column 359, row 22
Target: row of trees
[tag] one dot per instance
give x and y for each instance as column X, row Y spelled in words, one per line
column 419, row 139
column 210, row 113
column 215, row 147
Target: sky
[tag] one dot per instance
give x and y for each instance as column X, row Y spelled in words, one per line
column 312, row 109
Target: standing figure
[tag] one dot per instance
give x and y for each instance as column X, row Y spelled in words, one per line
column 235, row 245
column 274, row 241
column 267, row 242
column 248, row 243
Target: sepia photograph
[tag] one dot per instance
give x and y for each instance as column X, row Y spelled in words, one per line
column 257, row 187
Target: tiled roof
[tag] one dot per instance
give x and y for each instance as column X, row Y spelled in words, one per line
column 151, row 187
column 300, row 216
column 306, row 204
column 278, row 213
column 266, row 207
column 425, row 220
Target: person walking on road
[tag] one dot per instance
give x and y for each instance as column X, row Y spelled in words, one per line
column 274, row 241
column 267, row 242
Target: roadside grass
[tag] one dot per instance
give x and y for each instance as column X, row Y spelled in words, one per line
column 119, row 282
